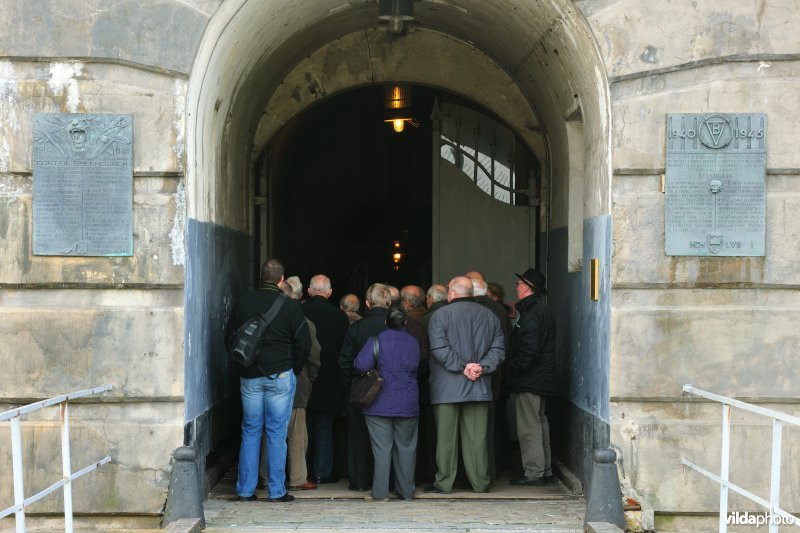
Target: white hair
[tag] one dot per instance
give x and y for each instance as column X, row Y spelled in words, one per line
column 478, row 287
column 296, row 285
column 320, row 284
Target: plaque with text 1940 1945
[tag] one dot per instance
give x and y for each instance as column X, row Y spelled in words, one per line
column 716, row 184
column 82, row 184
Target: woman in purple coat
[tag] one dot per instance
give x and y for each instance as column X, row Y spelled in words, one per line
column 392, row 417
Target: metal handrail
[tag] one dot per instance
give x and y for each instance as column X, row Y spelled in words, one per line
column 775, row 513
column 15, row 417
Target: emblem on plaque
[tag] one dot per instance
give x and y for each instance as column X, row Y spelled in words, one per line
column 714, row 243
column 715, row 131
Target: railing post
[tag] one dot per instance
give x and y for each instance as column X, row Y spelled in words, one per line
column 16, row 465
column 775, row 478
column 66, row 467
column 724, row 468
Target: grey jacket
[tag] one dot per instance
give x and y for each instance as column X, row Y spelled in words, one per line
column 460, row 333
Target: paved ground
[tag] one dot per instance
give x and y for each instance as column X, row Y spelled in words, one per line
column 334, row 508
column 421, row 515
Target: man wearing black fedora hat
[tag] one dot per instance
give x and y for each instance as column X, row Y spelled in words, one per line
column 532, row 376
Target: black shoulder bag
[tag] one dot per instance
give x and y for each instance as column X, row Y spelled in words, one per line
column 366, row 387
column 243, row 347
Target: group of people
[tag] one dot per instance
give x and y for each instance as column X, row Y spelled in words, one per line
column 442, row 355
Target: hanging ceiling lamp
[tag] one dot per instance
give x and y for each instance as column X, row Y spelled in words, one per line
column 397, row 105
column 397, row 12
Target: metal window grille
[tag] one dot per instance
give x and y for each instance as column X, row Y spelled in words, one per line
column 482, row 149
column 14, row 416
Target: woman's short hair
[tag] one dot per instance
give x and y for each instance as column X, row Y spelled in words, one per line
column 395, row 317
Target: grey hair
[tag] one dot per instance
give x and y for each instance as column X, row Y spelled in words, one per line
column 412, row 295
column 392, row 291
column 319, row 284
column 378, row 295
column 349, row 302
column 478, row 287
column 296, row 286
column 437, row 293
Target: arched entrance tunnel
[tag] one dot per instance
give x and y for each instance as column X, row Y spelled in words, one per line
column 284, row 133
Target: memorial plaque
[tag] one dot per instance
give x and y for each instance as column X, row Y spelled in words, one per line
column 716, row 184
column 82, row 184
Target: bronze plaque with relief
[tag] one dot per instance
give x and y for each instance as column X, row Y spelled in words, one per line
column 82, row 184
column 716, row 184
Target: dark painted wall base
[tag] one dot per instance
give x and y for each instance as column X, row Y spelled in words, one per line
column 218, row 270
column 575, row 435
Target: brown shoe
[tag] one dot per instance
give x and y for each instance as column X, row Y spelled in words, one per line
column 308, row 485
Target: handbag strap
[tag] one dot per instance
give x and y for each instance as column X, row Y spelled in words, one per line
column 375, row 350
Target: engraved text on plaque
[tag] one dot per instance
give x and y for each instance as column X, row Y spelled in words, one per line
column 715, row 184
column 82, row 184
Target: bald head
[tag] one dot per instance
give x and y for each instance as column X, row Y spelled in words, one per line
column 320, row 285
column 459, row 287
column 411, row 297
column 475, row 275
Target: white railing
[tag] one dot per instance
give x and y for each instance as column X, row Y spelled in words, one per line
column 20, row 502
column 775, row 515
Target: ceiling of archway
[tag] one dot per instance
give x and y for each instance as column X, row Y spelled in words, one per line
column 531, row 62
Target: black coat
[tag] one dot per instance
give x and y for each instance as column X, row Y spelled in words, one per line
column 531, row 362
column 286, row 342
column 331, row 323
column 357, row 335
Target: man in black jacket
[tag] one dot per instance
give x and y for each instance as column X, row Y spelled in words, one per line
column 268, row 387
column 532, row 376
column 328, row 391
column 359, row 450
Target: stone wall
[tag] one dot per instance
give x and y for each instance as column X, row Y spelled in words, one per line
column 721, row 324
column 71, row 323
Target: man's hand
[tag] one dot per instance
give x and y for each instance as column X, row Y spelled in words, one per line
column 473, row 371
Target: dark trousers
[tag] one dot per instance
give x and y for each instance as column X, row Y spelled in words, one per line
column 426, row 444
column 394, row 446
column 321, row 437
column 359, row 449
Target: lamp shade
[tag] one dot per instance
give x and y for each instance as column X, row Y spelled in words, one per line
column 396, row 9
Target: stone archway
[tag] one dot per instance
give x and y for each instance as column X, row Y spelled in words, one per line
column 537, row 67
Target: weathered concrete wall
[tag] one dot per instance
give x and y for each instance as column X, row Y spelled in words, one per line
column 70, row 323
column 718, row 323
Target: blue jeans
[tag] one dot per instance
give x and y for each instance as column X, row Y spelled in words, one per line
column 266, row 404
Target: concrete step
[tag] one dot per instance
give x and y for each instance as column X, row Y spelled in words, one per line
column 427, row 516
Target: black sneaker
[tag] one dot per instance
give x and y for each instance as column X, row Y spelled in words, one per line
column 283, row 499
column 436, row 490
column 529, row 482
column 250, row 498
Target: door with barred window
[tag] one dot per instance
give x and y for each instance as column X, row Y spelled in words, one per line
column 484, row 198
